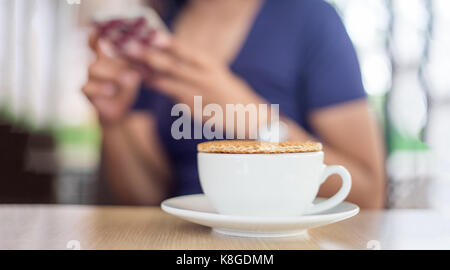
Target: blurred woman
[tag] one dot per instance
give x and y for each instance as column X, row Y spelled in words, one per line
column 295, row 53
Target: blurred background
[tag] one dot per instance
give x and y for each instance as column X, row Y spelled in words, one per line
column 50, row 140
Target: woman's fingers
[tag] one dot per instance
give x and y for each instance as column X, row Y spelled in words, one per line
column 106, row 49
column 93, row 38
column 116, row 71
column 100, row 45
column 180, row 50
column 111, row 87
column 94, row 88
column 165, row 63
column 188, row 54
column 110, row 100
column 110, row 67
column 173, row 87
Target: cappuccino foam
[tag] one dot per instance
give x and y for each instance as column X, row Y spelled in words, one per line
column 257, row 147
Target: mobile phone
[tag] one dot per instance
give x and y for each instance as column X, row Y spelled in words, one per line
column 136, row 24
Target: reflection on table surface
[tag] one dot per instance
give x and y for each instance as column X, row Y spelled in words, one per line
column 108, row 227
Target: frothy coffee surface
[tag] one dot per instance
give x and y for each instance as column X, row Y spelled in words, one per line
column 256, row 147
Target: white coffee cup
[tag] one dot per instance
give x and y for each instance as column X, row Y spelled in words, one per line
column 268, row 185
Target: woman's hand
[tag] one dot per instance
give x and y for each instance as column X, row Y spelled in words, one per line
column 183, row 72
column 112, row 84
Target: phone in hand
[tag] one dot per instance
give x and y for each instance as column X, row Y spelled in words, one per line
column 120, row 27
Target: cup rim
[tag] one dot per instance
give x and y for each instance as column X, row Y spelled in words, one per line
column 262, row 154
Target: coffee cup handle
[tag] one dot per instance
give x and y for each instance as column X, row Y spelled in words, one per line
column 340, row 195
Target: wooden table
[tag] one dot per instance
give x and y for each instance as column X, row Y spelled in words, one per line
column 106, row 227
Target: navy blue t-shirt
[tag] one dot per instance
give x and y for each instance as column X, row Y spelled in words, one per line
column 297, row 54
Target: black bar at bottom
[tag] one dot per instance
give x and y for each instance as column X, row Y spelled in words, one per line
column 211, row 259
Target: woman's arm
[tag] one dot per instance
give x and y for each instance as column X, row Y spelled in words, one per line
column 337, row 111
column 135, row 165
column 351, row 138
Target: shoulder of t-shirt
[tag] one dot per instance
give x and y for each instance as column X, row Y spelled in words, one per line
column 317, row 23
column 313, row 8
column 315, row 15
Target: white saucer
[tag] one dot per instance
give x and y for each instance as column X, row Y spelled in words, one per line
column 197, row 209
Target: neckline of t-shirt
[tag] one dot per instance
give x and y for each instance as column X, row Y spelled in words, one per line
column 257, row 18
